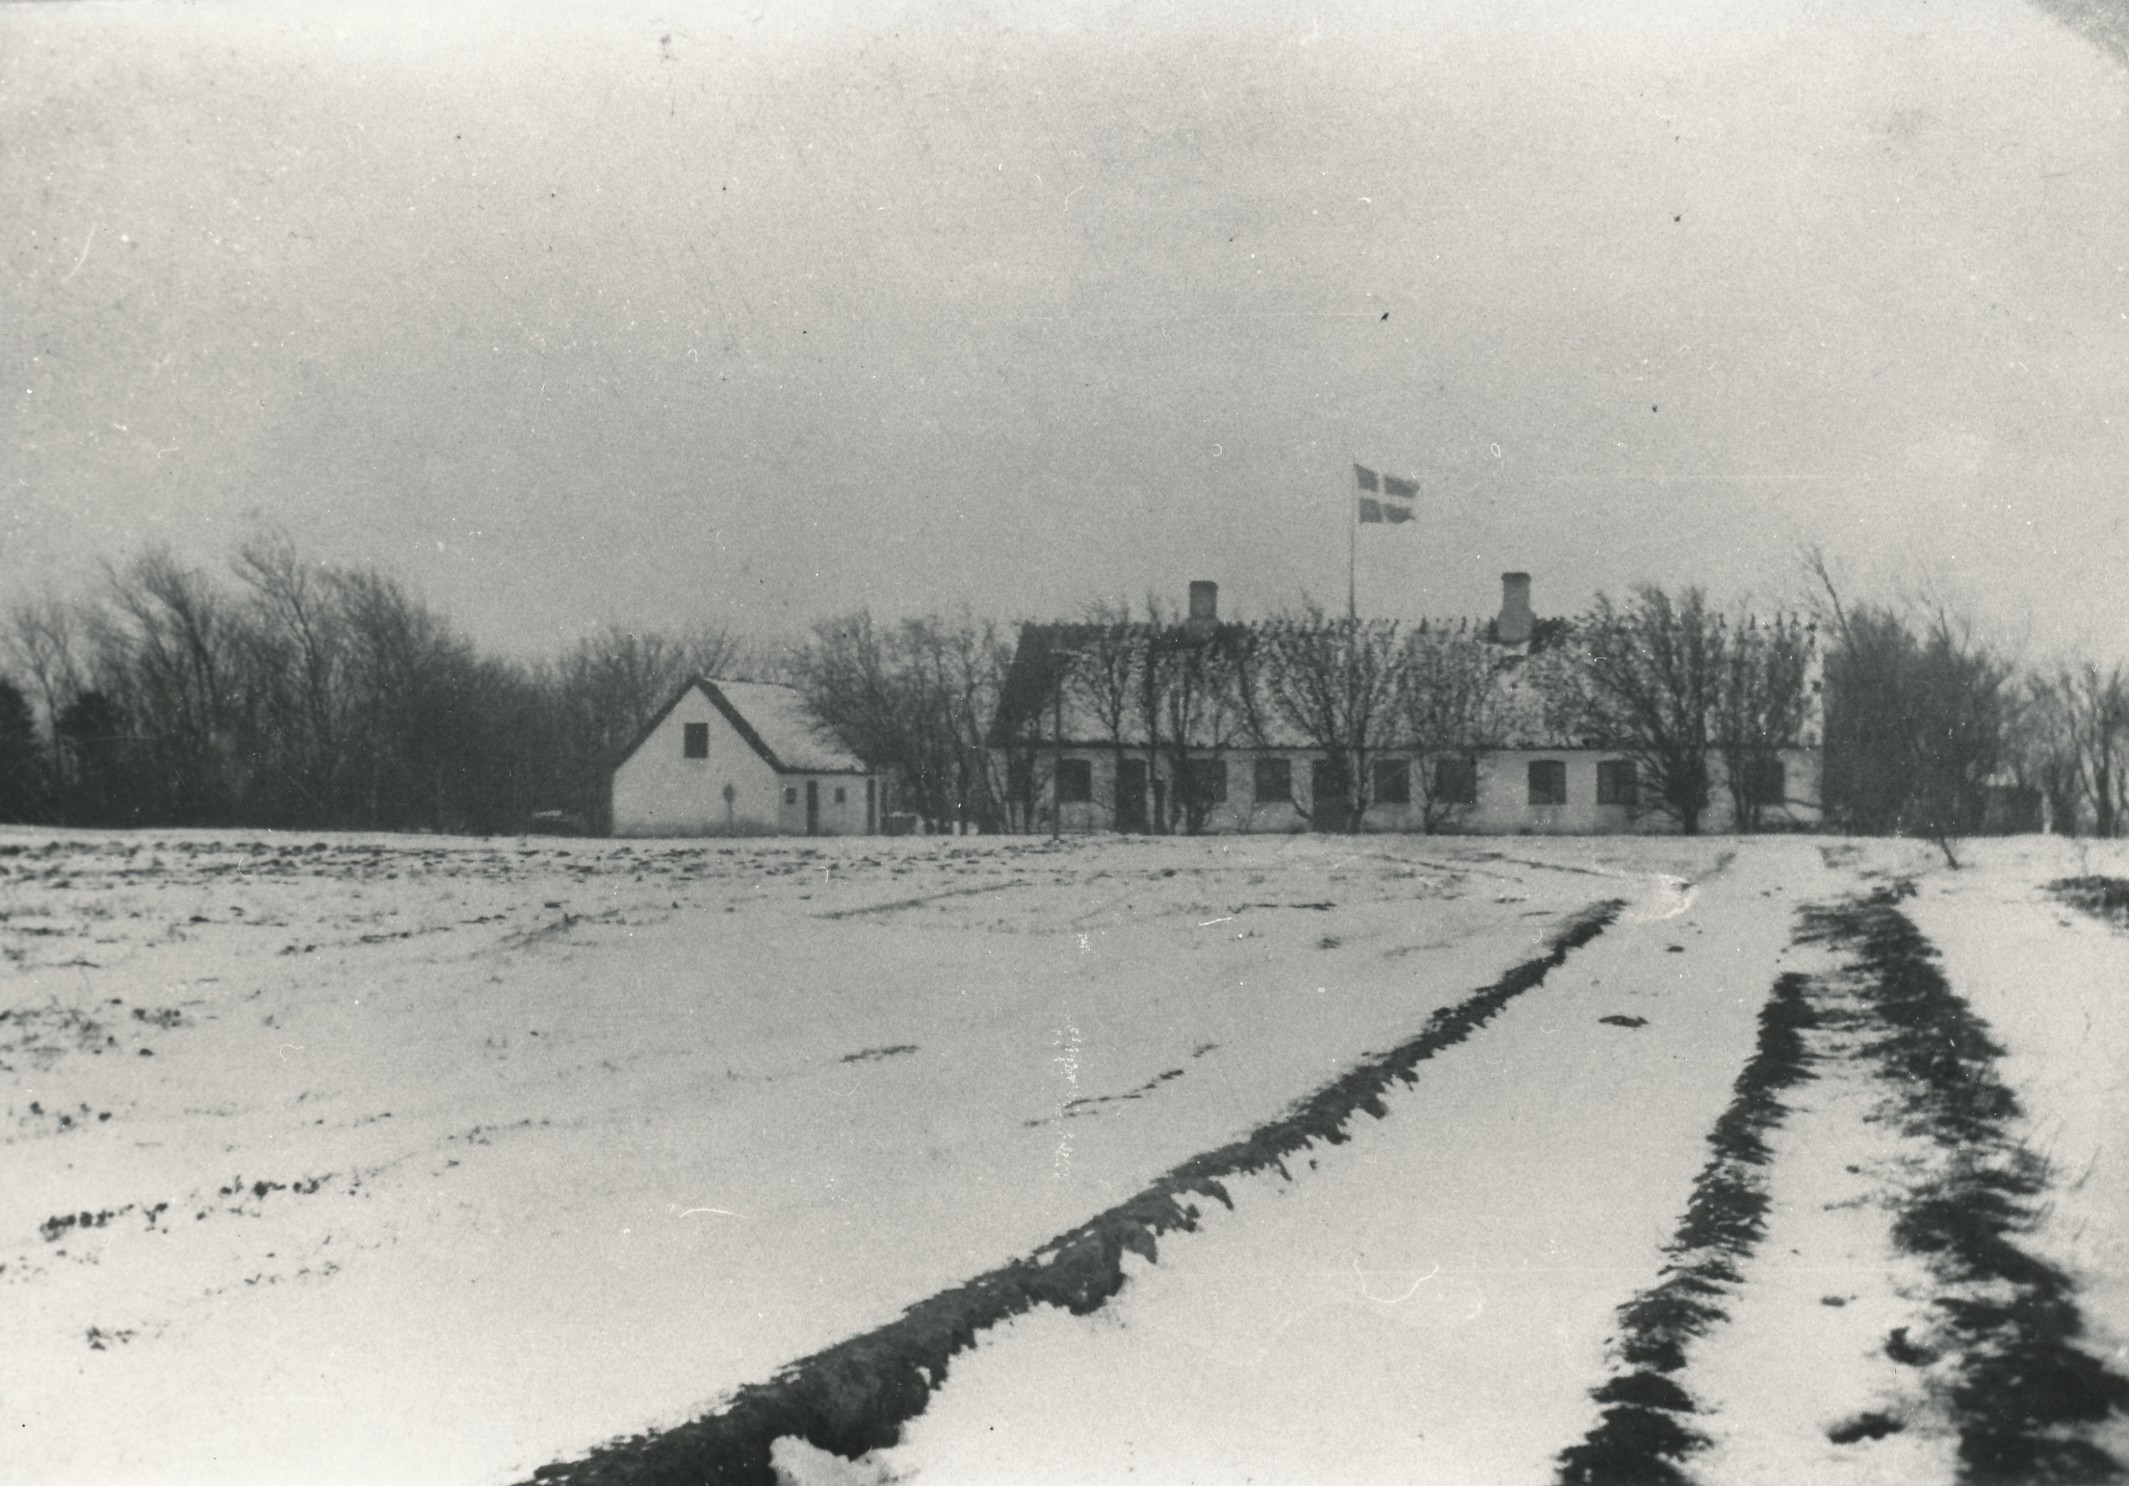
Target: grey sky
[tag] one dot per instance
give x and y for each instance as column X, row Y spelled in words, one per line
column 759, row 312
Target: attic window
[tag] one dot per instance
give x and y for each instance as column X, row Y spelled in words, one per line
column 695, row 740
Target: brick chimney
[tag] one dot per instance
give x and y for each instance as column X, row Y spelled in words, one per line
column 1514, row 624
column 1204, row 604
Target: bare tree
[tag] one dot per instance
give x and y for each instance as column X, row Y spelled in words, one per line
column 410, row 685
column 1919, row 715
column 23, row 776
column 1181, row 675
column 1655, row 667
column 1100, row 661
column 607, row 689
column 918, row 700
column 1765, row 681
column 1334, row 682
column 42, row 642
column 168, row 640
column 2095, row 711
column 2046, row 753
column 1448, row 684
column 296, row 658
column 102, row 784
column 1964, row 709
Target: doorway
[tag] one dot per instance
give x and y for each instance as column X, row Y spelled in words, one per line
column 1330, row 795
column 1131, row 794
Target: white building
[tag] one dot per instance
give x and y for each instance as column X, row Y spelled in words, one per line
column 740, row 758
column 1535, row 769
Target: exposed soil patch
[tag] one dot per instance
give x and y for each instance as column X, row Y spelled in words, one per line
column 2023, row 1388
column 855, row 1396
column 1091, row 1104
column 899, row 904
column 1643, row 1434
column 2102, row 897
column 1870, row 1426
column 2002, row 1345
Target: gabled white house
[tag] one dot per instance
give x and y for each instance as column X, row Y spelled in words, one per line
column 740, row 758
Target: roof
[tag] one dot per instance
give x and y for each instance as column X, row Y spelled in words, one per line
column 1536, row 695
column 773, row 719
column 1031, row 700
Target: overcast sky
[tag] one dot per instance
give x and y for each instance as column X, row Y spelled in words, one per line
column 755, row 313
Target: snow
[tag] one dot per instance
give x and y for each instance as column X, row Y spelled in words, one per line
column 1803, row 1348
column 602, row 1131
column 1432, row 1300
column 2053, row 983
column 448, row 1158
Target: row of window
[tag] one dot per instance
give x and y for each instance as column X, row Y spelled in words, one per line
column 1455, row 781
column 695, row 743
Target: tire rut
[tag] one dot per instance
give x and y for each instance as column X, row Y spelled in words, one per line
column 855, row 1396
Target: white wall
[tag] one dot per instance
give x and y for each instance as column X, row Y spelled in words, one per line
column 657, row 792
column 1503, row 806
column 845, row 817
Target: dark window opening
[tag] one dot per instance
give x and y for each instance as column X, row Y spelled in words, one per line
column 1548, row 782
column 1393, row 781
column 1766, row 781
column 1456, row 781
column 1274, row 782
column 840, row 794
column 1075, row 781
column 1204, row 780
column 695, row 740
column 1617, row 783
column 1330, row 795
column 791, row 795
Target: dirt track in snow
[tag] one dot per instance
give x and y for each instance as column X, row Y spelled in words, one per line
column 444, row 1102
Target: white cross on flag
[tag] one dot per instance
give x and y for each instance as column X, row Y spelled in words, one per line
column 1389, row 498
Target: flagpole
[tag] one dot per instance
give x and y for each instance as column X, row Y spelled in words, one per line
column 1352, row 556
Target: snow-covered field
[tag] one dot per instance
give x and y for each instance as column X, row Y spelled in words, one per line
column 419, row 1159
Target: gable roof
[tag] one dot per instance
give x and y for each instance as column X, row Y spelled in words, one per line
column 772, row 719
column 1535, row 695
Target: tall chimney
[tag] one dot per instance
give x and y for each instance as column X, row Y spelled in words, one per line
column 1514, row 623
column 1204, row 602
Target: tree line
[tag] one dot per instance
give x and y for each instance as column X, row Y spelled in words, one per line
column 295, row 694
column 285, row 692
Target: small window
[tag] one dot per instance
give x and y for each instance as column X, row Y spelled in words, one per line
column 840, row 796
column 1455, row 782
column 1766, row 781
column 791, row 795
column 1548, row 782
column 695, row 740
column 1274, row 782
column 1075, row 781
column 1204, row 780
column 1393, row 781
column 1617, row 783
